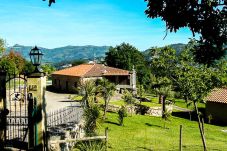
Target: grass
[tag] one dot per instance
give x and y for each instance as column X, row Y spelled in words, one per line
column 183, row 104
column 147, row 133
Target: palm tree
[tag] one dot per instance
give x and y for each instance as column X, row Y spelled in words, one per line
column 88, row 90
column 106, row 89
column 91, row 111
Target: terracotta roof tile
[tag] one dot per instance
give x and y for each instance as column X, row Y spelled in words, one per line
column 77, row 71
column 218, row 95
column 91, row 70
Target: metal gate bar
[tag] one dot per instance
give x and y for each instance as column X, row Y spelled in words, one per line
column 17, row 119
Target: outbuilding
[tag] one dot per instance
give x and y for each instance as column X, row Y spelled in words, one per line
column 216, row 105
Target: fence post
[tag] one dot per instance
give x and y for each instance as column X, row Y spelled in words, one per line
column 106, row 134
column 180, row 144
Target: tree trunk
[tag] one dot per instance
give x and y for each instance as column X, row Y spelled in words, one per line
column 105, row 109
column 163, row 105
column 160, row 99
column 200, row 127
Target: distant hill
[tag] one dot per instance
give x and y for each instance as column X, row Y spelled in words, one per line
column 178, row 47
column 67, row 53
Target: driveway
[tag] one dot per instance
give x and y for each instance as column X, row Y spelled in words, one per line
column 58, row 100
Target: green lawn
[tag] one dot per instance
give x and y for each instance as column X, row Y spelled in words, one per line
column 147, row 133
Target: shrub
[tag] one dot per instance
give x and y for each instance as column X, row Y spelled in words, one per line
column 91, row 116
column 121, row 114
column 96, row 145
column 141, row 109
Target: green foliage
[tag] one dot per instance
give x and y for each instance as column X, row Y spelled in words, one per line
column 88, row 90
column 78, row 62
column 106, row 89
column 194, row 81
column 8, row 66
column 126, row 56
column 48, row 69
column 166, row 117
column 91, row 116
column 206, row 18
column 91, row 146
column 2, row 46
column 128, row 97
column 210, row 118
column 28, row 67
column 121, row 114
column 12, row 63
column 140, row 91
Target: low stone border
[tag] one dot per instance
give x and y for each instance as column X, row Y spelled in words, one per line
column 152, row 111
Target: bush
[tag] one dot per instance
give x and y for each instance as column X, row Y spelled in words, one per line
column 121, row 114
column 141, row 109
column 96, row 145
column 91, row 116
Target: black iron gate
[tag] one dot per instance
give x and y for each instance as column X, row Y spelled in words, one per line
column 16, row 106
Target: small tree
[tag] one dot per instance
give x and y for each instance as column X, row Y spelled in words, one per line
column 91, row 110
column 140, row 91
column 88, row 90
column 128, row 98
column 106, row 89
column 91, row 116
column 121, row 114
column 166, row 117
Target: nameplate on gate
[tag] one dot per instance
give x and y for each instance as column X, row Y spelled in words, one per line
column 32, row 88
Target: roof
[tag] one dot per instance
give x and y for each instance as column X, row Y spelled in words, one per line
column 91, row 70
column 218, row 95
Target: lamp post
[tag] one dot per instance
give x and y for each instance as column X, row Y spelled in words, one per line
column 36, row 57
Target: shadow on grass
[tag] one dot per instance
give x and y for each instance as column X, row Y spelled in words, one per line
column 193, row 117
column 109, row 122
column 148, row 124
column 144, row 148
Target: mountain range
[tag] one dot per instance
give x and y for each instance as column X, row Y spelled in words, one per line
column 61, row 54
column 70, row 53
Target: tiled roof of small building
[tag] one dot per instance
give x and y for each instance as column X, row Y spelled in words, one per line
column 91, row 70
column 218, row 95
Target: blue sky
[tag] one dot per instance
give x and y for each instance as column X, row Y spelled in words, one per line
column 83, row 22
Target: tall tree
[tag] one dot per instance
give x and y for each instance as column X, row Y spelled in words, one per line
column 205, row 17
column 106, row 89
column 12, row 63
column 163, row 64
column 126, row 56
column 195, row 81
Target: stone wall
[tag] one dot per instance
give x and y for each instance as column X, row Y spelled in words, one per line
column 152, row 111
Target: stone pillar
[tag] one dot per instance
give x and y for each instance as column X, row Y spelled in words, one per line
column 36, row 84
column 2, row 108
column 133, row 80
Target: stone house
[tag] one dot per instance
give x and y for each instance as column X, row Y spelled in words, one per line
column 68, row 79
column 216, row 105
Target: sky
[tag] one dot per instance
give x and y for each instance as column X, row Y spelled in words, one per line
column 83, row 22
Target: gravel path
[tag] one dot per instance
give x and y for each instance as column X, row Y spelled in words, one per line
column 58, row 100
